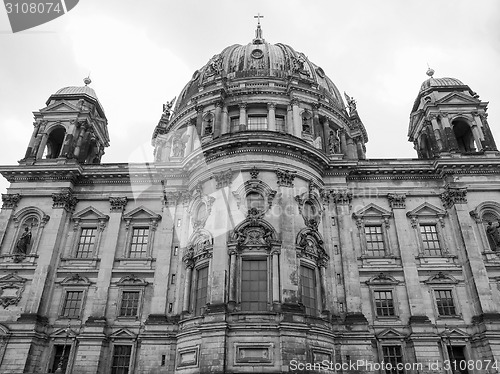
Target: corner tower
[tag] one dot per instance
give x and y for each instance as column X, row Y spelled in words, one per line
column 71, row 128
column 449, row 118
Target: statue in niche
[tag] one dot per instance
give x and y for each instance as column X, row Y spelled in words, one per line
column 493, row 233
column 23, row 242
column 306, row 124
column 334, row 143
column 168, row 107
column 317, row 143
column 178, row 146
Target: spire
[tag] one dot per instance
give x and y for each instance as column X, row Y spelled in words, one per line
column 258, row 33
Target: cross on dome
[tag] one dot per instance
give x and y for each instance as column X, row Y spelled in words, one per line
column 258, row 33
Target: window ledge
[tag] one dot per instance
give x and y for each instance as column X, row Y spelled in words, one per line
column 18, row 259
column 387, row 318
column 91, row 263
column 457, row 316
column 127, row 262
column 436, row 260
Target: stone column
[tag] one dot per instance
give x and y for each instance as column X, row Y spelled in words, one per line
column 343, row 142
column 359, row 147
column 352, row 152
column 165, row 234
column 107, row 254
column 243, row 116
column 315, row 124
column 225, row 121
column 31, row 145
column 326, row 134
column 187, row 288
column 297, row 121
column 43, row 144
column 409, row 249
column 276, row 282
column 271, row 116
column 289, row 120
column 289, row 275
column 451, row 140
column 63, row 205
column 488, row 136
column 437, row 132
column 349, row 260
column 199, row 120
column 455, row 201
column 232, row 277
column 81, row 135
column 218, row 118
column 189, row 145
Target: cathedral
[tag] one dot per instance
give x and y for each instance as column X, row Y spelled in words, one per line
column 261, row 239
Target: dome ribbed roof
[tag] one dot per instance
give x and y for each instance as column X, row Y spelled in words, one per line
column 440, row 82
column 84, row 90
column 260, row 59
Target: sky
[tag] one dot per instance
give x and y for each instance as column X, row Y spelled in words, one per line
column 140, row 54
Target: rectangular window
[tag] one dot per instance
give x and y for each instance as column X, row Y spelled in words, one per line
column 235, row 124
column 374, row 241
column 86, row 243
column 430, row 239
column 257, row 123
column 254, row 288
column 384, row 304
column 60, row 351
column 121, row 359
column 130, row 304
column 308, row 289
column 393, row 356
column 72, row 304
column 139, row 243
column 201, row 290
column 280, row 124
column 456, row 355
column 444, row 302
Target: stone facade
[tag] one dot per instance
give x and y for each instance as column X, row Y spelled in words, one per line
column 260, row 239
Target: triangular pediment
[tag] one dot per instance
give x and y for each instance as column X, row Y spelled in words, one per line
column 372, row 210
column 457, row 98
column 90, row 213
column 454, row 333
column 123, row 334
column 60, row 106
column 390, row 334
column 12, row 278
column 426, row 210
column 63, row 333
column 141, row 213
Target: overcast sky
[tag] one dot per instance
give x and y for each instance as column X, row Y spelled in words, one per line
column 141, row 54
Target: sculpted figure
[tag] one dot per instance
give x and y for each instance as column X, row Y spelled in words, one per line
column 23, row 242
column 168, row 106
column 493, row 232
column 334, row 143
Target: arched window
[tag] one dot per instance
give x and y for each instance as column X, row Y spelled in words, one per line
column 255, row 200
column 306, row 122
column 313, row 260
column 208, row 124
column 487, row 217
column 425, row 146
column 28, row 226
column 55, row 142
column 491, row 222
column 464, row 136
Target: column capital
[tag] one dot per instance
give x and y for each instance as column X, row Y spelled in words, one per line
column 285, row 177
column 294, row 101
column 10, row 200
column 397, row 201
column 342, row 197
column 219, row 103
column 117, row 204
column 64, row 200
column 271, row 106
column 223, row 178
column 454, row 195
column 242, row 105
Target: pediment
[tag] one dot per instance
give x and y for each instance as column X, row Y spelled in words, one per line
column 12, row 278
column 142, row 213
column 90, row 213
column 372, row 210
column 426, row 210
column 76, row 280
column 132, row 280
column 454, row 333
column 441, row 278
column 66, row 332
column 382, row 279
column 60, row 106
column 123, row 334
column 457, row 98
column 390, row 334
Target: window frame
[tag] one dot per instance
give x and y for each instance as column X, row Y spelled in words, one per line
column 60, row 341
column 131, row 222
column 374, row 216
column 143, row 253
column 255, row 257
column 317, row 291
column 452, row 298
column 391, row 308
column 428, row 252
column 84, row 219
column 444, row 282
column 380, row 283
column 200, row 266
column 402, row 357
column 81, row 308
column 132, row 355
column 130, row 283
column 19, row 220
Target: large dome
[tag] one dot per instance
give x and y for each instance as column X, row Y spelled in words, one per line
column 261, row 59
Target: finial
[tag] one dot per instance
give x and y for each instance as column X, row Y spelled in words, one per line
column 87, row 81
column 430, row 71
column 258, row 33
